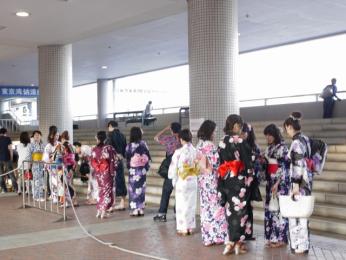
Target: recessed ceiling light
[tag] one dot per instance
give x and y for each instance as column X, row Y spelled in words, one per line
column 104, row 67
column 22, row 14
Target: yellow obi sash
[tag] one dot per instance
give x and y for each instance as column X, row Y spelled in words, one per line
column 189, row 171
column 37, row 156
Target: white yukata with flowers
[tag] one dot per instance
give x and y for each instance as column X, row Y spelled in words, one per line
column 184, row 160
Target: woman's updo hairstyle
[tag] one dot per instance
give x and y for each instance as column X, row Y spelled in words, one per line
column 294, row 121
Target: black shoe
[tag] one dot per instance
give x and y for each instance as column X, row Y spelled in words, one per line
column 160, row 218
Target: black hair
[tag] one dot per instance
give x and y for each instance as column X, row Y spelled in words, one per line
column 206, row 130
column 294, row 121
column 3, row 131
column 36, row 132
column 251, row 137
column 112, row 123
column 52, row 132
column 186, row 135
column 101, row 137
column 175, row 127
column 135, row 134
column 77, row 144
column 230, row 122
column 24, row 138
column 67, row 147
column 274, row 131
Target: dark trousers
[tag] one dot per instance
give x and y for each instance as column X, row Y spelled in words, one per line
column 167, row 189
column 119, row 179
column 9, row 167
column 328, row 106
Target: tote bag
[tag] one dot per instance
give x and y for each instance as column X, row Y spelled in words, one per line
column 274, row 204
column 296, row 208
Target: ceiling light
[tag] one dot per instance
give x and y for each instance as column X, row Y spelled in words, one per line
column 104, row 67
column 22, row 14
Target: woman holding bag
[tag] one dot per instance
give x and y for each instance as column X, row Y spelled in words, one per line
column 301, row 177
column 276, row 167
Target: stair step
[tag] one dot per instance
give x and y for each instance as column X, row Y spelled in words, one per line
column 317, row 223
column 332, row 176
column 323, row 197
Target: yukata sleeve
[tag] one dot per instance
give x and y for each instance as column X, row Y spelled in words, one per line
column 46, row 153
column 128, row 155
column 298, row 162
column 173, row 168
column 246, row 157
column 146, row 151
column 163, row 139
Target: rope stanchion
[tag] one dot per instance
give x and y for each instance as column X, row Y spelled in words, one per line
column 109, row 244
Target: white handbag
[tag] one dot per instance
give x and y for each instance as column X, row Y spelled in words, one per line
column 302, row 207
column 274, row 204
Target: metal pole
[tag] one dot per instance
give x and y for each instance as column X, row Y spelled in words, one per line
column 64, row 186
column 23, row 186
column 45, row 187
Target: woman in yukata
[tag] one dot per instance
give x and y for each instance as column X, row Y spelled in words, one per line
column 276, row 167
column 52, row 154
column 213, row 219
column 104, row 161
column 235, row 178
column 303, row 166
column 183, row 171
column 36, row 152
column 68, row 152
column 248, row 134
column 138, row 157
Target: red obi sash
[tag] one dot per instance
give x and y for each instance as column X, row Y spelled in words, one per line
column 310, row 164
column 234, row 167
column 101, row 165
column 272, row 168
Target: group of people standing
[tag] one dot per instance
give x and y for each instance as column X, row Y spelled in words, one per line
column 227, row 177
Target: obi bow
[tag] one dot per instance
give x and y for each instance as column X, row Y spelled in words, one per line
column 138, row 160
column 100, row 166
column 189, row 171
column 234, row 167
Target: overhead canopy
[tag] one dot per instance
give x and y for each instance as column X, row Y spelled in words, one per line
column 134, row 36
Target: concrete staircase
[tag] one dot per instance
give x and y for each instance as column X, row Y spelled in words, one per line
column 329, row 188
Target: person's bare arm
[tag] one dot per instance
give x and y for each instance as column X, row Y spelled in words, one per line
column 11, row 151
column 156, row 137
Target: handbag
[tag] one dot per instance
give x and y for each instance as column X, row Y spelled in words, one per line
column 274, row 204
column 296, row 208
column 164, row 167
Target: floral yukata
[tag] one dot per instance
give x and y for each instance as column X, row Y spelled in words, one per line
column 103, row 161
column 183, row 173
column 138, row 156
column 277, row 167
column 213, row 220
column 303, row 166
column 234, row 182
column 36, row 151
column 52, row 153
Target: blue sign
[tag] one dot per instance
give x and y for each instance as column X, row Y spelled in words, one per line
column 19, row 91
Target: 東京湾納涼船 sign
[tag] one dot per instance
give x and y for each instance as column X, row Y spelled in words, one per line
column 18, row 91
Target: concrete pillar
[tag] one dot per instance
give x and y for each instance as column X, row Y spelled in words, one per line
column 102, row 103
column 55, row 82
column 213, row 54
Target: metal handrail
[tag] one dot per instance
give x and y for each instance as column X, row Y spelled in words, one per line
column 317, row 96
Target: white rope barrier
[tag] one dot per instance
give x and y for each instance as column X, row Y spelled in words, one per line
column 9, row 172
column 109, row 244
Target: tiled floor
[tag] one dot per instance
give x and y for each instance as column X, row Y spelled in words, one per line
column 34, row 234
